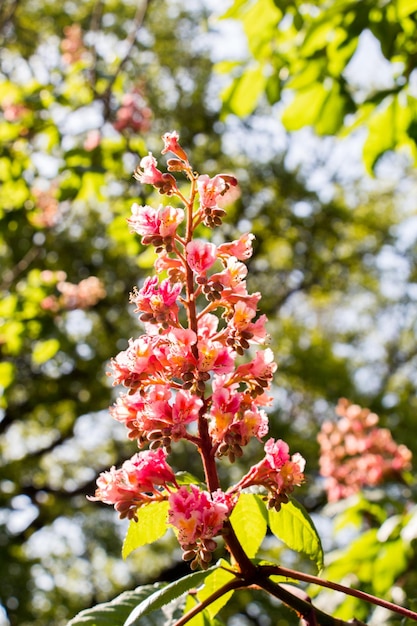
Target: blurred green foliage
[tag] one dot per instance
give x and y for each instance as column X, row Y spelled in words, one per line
column 308, row 49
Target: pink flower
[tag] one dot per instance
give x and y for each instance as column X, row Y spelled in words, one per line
column 162, row 222
column 252, row 422
column 137, row 363
column 92, row 140
column 137, row 482
column 171, row 145
column 276, row 453
column 197, row 514
column 174, row 267
column 355, row 453
column 133, row 113
column 262, row 366
column 215, row 357
column 225, row 403
column 147, row 172
column 126, row 409
column 277, row 472
column 186, row 408
column 213, row 191
column 243, row 313
column 157, row 301
column 241, row 248
column 200, row 255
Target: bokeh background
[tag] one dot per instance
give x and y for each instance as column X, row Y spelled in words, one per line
column 313, row 107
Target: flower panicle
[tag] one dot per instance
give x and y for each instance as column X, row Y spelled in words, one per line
column 201, row 371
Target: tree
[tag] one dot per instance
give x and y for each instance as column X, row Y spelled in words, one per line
column 78, row 100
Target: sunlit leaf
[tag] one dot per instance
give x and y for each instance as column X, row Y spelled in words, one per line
column 44, row 351
column 212, row 583
column 386, row 129
column 245, row 92
column 249, row 521
column 406, row 7
column 6, row 374
column 305, row 108
column 186, row 478
column 165, row 595
column 115, row 612
column 151, row 525
column 292, row 525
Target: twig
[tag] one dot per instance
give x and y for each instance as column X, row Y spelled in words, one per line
column 232, row 585
column 137, row 23
column 20, row 267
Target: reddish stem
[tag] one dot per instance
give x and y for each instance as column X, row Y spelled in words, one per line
column 278, row 570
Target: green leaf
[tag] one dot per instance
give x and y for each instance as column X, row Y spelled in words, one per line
column 243, row 95
column 332, row 113
column 260, row 22
column 305, row 108
column 406, row 7
column 249, row 521
column 186, row 478
column 163, row 596
column 293, row 525
column 6, row 374
column 151, row 525
column 44, row 351
column 386, row 130
column 115, row 612
column 91, row 187
column 212, row 583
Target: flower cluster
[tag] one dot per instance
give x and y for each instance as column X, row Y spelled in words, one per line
column 278, row 472
column 198, row 516
column 46, row 213
column 134, row 113
column 356, row 453
column 198, row 373
column 72, row 45
column 72, row 296
column 142, row 479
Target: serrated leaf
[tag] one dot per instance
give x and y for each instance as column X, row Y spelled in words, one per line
column 293, row 525
column 151, row 525
column 166, row 595
column 249, row 521
column 212, row 583
column 115, row 612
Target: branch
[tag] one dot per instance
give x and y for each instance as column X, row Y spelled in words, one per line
column 10, row 275
column 356, row 593
column 304, row 608
column 137, row 23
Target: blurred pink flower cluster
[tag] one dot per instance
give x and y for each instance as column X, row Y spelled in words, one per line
column 46, row 213
column 72, row 46
column 355, row 453
column 134, row 113
column 72, row 296
column 197, row 374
